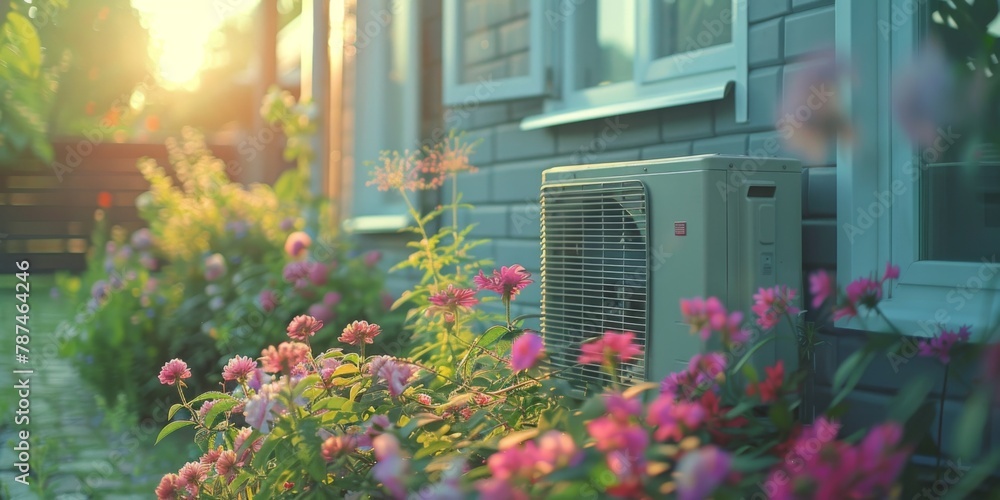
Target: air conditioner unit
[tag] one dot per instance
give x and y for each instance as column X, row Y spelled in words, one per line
column 622, row 243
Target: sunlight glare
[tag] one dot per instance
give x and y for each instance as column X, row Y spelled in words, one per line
column 179, row 32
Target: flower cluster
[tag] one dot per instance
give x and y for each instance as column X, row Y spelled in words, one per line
column 708, row 315
column 771, row 303
column 507, row 282
column 940, row 346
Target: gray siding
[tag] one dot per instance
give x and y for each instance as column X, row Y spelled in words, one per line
column 506, row 188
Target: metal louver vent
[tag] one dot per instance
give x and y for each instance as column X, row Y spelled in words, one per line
column 594, row 272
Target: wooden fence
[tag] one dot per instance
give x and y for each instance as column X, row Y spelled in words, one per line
column 48, row 218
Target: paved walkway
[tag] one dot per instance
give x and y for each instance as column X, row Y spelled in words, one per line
column 78, row 450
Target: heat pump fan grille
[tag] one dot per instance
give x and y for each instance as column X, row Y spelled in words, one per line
column 594, row 272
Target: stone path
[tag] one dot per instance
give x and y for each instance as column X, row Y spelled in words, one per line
column 78, row 450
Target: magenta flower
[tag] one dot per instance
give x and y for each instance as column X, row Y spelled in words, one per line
column 173, row 372
column 302, row 327
column 239, row 369
column 215, row 267
column 557, row 450
column 940, row 347
column 771, row 303
column 673, row 419
column 514, row 462
column 327, row 366
column 703, row 373
column 390, row 465
column 612, row 347
column 210, row 457
column 821, row 286
column 526, row 351
column 295, row 272
column 701, row 471
column 286, row 357
column 297, row 244
column 360, row 332
column 268, row 300
column 191, row 475
column 508, row 281
column 372, row 258
column 240, row 445
column 891, row 273
column 451, row 301
column 620, row 407
column 318, row 273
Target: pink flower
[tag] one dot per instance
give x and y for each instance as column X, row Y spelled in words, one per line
column 612, row 345
column 191, row 475
column 360, row 331
column 297, row 244
column 268, row 300
column 498, row 489
column 940, row 347
column 701, row 471
column 296, row 272
column 821, row 286
column 481, row 399
column 390, row 465
column 318, row 273
column 303, row 327
column 610, row 434
column 862, row 291
column 331, row 299
column 173, row 372
column 338, row 445
column 508, row 281
column 673, row 419
column 287, row 356
column 556, row 450
column 210, row 457
column 261, row 408
column 205, row 408
column 771, row 303
column 239, row 369
column 372, row 258
column 168, row 487
column 621, row 407
column 514, row 462
column 377, row 424
column 395, row 374
column 703, row 373
column 526, row 351
column 452, row 300
column 245, row 449
column 923, row 94
column 226, row 465
column 322, row 313
column 257, row 379
column 327, row 366
column 424, row 399
column 215, row 267
column 769, row 389
column 702, row 313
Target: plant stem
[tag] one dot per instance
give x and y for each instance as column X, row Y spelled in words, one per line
column 940, row 443
column 423, row 233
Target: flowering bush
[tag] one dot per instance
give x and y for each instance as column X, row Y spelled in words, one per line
column 221, row 268
column 485, row 414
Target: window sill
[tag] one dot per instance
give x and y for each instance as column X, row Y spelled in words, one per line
column 681, row 96
column 377, row 224
column 933, row 294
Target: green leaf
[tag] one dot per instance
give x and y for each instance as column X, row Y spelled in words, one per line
column 971, row 423
column 173, row 410
column 171, row 427
column 492, row 335
column 755, row 348
column 741, row 408
column 851, row 364
column 972, row 479
column 217, row 409
column 211, row 395
column 781, row 416
column 271, row 441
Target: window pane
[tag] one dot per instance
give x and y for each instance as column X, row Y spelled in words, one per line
column 496, row 40
column 960, row 211
column 687, row 25
column 605, row 43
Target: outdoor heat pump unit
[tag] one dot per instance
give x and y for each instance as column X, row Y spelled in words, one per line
column 622, row 243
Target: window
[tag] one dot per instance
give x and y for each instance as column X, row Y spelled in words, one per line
column 493, row 50
column 633, row 55
column 595, row 58
column 928, row 209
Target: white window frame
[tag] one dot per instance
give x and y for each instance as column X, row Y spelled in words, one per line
column 686, row 78
column 534, row 84
column 928, row 294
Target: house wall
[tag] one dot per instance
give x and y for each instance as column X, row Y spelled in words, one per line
column 505, row 190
